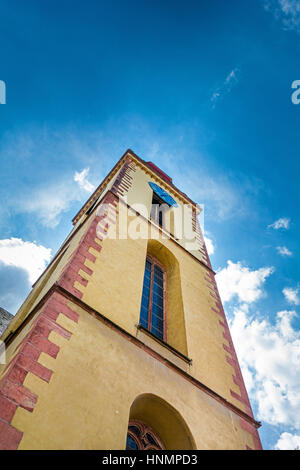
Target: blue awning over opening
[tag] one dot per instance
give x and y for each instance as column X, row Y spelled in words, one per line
column 162, row 194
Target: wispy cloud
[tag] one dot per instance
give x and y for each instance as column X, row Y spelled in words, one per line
column 283, row 251
column 280, row 223
column 50, row 200
column 57, row 186
column 287, row 12
column 81, row 179
column 230, row 81
column 291, row 295
column 214, row 190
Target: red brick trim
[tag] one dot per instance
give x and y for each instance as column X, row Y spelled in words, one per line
column 92, row 238
column 10, row 437
column 232, row 358
column 13, row 393
column 251, row 430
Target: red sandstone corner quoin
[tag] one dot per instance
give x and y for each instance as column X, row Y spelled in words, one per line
column 13, row 393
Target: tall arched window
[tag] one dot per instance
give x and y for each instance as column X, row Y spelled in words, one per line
column 153, row 308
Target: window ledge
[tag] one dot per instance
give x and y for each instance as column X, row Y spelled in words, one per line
column 163, row 343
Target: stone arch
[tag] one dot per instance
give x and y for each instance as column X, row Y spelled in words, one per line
column 176, row 332
column 164, row 420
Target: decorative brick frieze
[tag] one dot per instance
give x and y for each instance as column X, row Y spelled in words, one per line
column 123, row 181
column 13, row 393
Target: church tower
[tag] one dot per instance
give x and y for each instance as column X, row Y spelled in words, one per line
column 123, row 341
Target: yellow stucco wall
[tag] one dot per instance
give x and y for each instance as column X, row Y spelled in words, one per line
column 115, row 290
column 97, row 376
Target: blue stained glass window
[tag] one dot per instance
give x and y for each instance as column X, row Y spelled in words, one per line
column 131, row 444
column 152, row 306
column 141, row 437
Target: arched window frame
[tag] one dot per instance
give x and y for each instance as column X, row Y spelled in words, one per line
column 142, row 440
column 154, row 261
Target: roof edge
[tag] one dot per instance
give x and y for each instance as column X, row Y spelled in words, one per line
column 159, row 173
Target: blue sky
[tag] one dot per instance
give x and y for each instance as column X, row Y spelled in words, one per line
column 201, row 88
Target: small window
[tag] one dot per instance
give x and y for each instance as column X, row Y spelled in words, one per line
column 162, row 203
column 153, row 309
column 157, row 210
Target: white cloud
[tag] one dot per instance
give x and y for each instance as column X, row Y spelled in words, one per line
column 280, row 223
column 51, row 200
column 209, row 246
column 56, row 186
column 215, row 96
column 29, row 256
column 269, row 356
column 269, row 353
column 231, row 76
column 288, row 441
column 291, row 295
column 81, row 179
column 48, row 202
column 285, row 11
column 230, row 81
column 238, row 280
column 283, row 251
